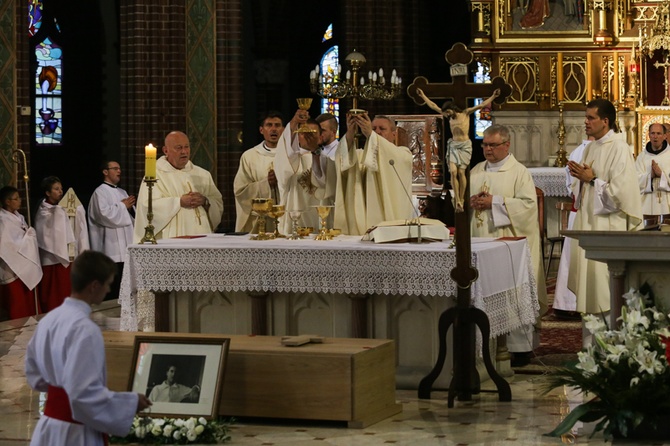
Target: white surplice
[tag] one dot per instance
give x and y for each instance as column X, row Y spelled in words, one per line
column 110, row 225
column 68, row 351
column 612, row 203
column 369, row 189
column 655, row 192
column 19, row 253
column 251, row 181
column 169, row 218
column 55, row 233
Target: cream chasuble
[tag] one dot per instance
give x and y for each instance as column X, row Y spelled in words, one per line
column 302, row 182
column 368, row 190
column 514, row 183
column 655, row 191
column 251, row 181
column 612, row 203
column 170, row 219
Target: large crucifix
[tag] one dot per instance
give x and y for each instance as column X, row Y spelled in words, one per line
column 464, row 317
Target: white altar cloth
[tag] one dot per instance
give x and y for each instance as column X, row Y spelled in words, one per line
column 551, row 180
column 505, row 290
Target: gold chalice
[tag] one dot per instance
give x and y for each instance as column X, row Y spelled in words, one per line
column 323, row 212
column 304, row 104
column 295, row 217
column 275, row 212
column 261, row 206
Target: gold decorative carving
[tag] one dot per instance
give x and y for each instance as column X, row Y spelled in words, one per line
column 523, row 73
column 483, row 11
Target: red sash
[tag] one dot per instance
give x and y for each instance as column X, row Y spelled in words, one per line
column 58, row 407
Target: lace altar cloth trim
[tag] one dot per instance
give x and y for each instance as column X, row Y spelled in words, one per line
column 224, row 264
column 551, row 180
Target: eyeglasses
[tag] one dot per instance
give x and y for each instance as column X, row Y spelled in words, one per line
column 113, row 168
column 493, row 145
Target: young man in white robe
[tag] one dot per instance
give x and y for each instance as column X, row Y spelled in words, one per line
column 653, row 166
column 185, row 199
column 374, row 183
column 110, row 220
column 66, row 358
column 504, row 204
column 255, row 177
column 20, row 269
column 303, row 184
column 55, row 233
column 607, row 198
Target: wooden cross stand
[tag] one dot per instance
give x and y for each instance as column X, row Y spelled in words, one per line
column 464, row 317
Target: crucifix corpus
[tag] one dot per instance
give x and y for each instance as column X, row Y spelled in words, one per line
column 666, row 82
column 464, row 317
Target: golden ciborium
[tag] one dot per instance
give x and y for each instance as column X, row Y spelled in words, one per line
column 261, row 206
column 275, row 212
column 304, row 104
column 323, row 212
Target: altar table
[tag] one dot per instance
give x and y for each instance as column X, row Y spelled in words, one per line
column 396, row 291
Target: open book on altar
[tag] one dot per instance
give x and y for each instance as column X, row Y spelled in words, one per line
column 407, row 230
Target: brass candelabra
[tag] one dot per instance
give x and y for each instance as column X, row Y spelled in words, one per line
column 149, row 236
column 333, row 85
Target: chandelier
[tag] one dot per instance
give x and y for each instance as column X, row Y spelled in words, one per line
column 331, row 84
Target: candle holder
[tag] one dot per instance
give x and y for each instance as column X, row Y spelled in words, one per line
column 149, row 236
column 561, row 155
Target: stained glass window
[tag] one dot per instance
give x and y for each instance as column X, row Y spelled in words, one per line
column 48, row 77
column 329, row 62
column 483, row 117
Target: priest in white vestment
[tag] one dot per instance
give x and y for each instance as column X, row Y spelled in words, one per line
column 66, row 358
column 504, row 204
column 185, row 199
column 55, row 233
column 256, row 177
column 110, row 220
column 20, row 269
column 374, row 184
column 303, row 184
column 653, row 166
column 607, row 198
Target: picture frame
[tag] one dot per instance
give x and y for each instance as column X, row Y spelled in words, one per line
column 183, row 377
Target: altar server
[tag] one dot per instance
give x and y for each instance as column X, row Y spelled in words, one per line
column 66, row 359
column 20, row 269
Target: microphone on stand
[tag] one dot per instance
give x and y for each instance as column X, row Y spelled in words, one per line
column 418, row 217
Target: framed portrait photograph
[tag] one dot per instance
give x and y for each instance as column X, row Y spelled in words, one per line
column 182, row 377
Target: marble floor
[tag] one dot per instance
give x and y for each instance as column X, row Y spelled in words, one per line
column 482, row 421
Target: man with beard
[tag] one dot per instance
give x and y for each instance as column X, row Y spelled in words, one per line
column 255, row 177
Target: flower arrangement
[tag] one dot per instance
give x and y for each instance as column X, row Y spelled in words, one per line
column 626, row 369
column 147, row 430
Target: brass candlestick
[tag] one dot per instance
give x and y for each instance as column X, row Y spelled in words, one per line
column 561, row 155
column 149, row 236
